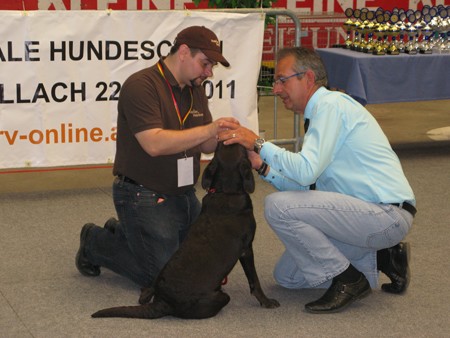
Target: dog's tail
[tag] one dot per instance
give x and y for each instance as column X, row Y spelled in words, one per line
column 146, row 311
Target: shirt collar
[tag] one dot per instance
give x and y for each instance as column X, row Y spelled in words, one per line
column 313, row 101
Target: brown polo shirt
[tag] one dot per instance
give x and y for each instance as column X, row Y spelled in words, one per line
column 146, row 102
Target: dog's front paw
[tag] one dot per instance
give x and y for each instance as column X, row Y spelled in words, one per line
column 270, row 304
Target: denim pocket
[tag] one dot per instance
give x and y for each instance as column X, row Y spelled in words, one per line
column 391, row 235
column 148, row 198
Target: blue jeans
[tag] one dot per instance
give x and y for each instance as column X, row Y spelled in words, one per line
column 323, row 232
column 151, row 226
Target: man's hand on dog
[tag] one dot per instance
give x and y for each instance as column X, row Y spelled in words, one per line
column 235, row 133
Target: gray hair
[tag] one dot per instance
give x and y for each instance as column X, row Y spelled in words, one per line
column 306, row 59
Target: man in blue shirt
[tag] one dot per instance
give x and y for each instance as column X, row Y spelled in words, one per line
column 340, row 235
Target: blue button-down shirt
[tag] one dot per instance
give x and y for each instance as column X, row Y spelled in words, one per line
column 344, row 151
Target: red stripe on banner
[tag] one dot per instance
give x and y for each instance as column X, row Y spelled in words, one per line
column 38, row 170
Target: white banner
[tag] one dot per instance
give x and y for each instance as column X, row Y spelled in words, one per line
column 61, row 73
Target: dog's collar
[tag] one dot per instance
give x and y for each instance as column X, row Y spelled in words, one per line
column 211, row 190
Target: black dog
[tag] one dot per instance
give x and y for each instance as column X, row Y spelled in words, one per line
column 189, row 286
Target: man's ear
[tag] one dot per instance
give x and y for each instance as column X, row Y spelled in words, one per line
column 310, row 77
column 184, row 51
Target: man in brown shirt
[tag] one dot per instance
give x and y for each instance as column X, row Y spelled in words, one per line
column 163, row 126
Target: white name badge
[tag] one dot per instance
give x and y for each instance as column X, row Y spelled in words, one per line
column 185, row 171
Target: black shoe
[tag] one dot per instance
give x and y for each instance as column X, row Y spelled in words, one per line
column 397, row 269
column 82, row 263
column 340, row 295
column 111, row 224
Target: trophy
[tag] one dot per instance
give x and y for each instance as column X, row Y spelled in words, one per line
column 411, row 32
column 379, row 32
column 433, row 15
column 348, row 25
column 402, row 29
column 356, row 39
column 393, row 31
column 383, row 32
column 418, row 26
column 387, row 27
column 370, row 45
column 362, row 37
column 427, row 31
column 366, row 46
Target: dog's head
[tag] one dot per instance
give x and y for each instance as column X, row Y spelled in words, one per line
column 230, row 170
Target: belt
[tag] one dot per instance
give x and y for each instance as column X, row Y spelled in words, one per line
column 405, row 205
column 128, row 180
column 408, row 207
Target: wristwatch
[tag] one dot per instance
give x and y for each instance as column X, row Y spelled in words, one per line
column 258, row 145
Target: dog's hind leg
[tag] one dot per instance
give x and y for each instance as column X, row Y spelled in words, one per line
column 204, row 307
column 153, row 310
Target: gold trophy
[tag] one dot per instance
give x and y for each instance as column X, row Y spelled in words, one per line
column 364, row 29
column 370, row 45
column 369, row 27
column 356, row 39
column 393, row 31
column 379, row 32
column 362, row 36
column 348, row 25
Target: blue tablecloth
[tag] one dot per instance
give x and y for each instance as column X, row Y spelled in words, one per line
column 388, row 78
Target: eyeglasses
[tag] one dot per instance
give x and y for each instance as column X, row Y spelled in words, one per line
column 282, row 80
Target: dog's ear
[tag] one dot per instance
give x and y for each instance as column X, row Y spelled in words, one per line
column 245, row 169
column 208, row 173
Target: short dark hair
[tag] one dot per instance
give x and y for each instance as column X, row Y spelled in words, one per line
column 306, row 59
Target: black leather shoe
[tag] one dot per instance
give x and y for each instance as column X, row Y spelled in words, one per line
column 82, row 263
column 340, row 295
column 397, row 269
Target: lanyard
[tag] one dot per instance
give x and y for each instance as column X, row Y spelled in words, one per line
column 180, row 118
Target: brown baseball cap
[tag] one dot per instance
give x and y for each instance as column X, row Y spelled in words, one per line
column 204, row 39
